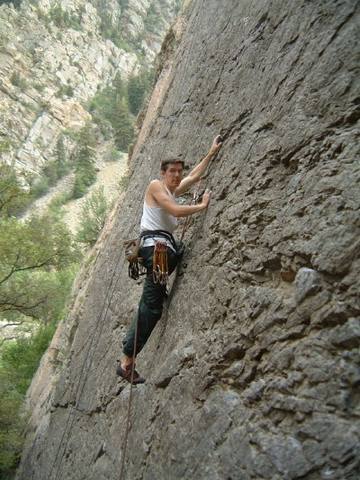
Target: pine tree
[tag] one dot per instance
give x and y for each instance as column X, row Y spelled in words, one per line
column 62, row 166
column 85, row 170
column 122, row 124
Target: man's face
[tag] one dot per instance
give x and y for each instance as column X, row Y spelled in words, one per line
column 173, row 175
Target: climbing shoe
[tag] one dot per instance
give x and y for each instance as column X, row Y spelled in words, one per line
column 125, row 373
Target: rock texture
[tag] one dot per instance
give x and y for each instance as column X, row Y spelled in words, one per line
column 253, row 373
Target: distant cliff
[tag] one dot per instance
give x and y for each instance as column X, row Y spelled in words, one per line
column 55, row 55
column 254, row 371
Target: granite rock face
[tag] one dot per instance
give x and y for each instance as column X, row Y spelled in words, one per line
column 252, row 373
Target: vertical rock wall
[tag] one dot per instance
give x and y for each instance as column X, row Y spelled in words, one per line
column 253, row 373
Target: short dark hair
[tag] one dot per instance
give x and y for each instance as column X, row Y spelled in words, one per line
column 170, row 161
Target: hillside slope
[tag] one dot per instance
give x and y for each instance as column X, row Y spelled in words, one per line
column 253, row 372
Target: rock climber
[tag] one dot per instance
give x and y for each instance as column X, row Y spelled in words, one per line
column 158, row 222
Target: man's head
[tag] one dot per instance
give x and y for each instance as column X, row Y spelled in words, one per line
column 171, row 171
column 165, row 164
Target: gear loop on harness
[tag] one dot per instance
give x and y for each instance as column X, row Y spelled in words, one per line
column 160, row 263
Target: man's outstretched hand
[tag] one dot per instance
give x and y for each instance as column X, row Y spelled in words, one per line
column 216, row 145
column 206, row 198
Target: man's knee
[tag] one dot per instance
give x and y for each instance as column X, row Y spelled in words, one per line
column 150, row 311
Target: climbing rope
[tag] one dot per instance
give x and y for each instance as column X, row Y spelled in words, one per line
column 81, row 385
column 127, row 428
column 160, row 275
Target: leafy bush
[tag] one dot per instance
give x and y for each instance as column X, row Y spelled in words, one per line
column 65, row 91
column 93, row 217
column 30, row 251
column 19, row 360
column 58, row 201
column 124, row 183
column 39, row 186
column 112, row 155
column 5, row 145
column 18, row 81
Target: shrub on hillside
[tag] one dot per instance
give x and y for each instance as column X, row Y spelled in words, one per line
column 93, row 217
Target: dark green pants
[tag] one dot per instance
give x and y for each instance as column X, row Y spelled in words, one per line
column 151, row 303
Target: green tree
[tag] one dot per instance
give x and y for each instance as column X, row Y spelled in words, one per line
column 85, row 170
column 62, row 165
column 37, row 268
column 58, row 167
column 13, row 198
column 123, row 4
column 11, row 426
column 18, row 362
column 93, row 217
column 16, row 3
column 122, row 125
column 138, row 87
column 110, row 111
column 28, row 248
column 103, row 104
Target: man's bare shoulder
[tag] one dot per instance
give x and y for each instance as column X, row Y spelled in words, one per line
column 153, row 190
column 155, row 186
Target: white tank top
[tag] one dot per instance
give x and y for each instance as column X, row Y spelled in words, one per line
column 156, row 218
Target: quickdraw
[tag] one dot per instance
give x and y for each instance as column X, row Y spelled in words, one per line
column 160, row 263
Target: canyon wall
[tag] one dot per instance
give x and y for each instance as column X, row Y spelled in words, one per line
column 252, row 373
column 55, row 55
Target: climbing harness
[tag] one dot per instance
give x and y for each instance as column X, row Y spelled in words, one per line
column 160, row 261
column 135, row 267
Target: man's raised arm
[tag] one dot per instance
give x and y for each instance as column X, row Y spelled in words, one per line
column 169, row 204
column 200, row 168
